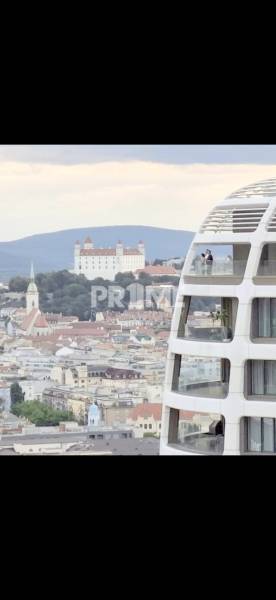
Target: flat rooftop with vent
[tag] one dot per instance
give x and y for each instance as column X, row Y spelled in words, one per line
column 221, row 361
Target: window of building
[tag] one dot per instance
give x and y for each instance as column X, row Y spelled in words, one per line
column 263, row 319
column 260, row 379
column 201, row 376
column 208, row 318
column 259, row 435
column 150, row 426
column 267, row 265
column 196, row 432
column 145, row 426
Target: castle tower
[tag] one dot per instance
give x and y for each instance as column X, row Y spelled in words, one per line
column 88, row 244
column 119, row 248
column 32, row 295
column 141, row 247
column 220, row 384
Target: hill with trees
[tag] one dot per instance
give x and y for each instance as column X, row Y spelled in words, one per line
column 70, row 294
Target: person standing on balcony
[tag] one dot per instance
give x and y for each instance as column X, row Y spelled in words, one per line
column 209, row 261
column 202, row 264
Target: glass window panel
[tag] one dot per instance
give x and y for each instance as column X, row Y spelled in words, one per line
column 257, row 374
column 273, row 316
column 267, row 264
column 201, row 376
column 254, row 435
column 270, row 377
column 264, row 317
column 268, row 435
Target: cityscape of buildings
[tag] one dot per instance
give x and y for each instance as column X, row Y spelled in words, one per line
column 107, row 373
column 179, row 359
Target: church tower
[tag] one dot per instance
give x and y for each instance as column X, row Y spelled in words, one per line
column 32, row 296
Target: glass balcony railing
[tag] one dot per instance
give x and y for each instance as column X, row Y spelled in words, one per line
column 206, row 389
column 219, row 268
column 208, row 334
column 205, row 443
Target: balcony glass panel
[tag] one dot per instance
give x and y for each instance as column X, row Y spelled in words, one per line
column 196, row 432
column 207, row 318
column 201, row 376
column 221, row 260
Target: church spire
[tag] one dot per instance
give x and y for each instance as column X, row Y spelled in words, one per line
column 32, row 272
column 32, row 295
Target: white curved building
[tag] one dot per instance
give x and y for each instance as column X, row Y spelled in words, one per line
column 220, row 386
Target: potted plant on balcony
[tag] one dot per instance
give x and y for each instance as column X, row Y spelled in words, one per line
column 223, row 317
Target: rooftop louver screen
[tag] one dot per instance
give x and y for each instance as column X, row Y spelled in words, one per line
column 265, row 188
column 235, row 220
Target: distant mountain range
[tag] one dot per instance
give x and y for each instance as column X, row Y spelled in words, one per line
column 55, row 251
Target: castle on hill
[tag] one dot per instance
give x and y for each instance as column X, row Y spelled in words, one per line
column 107, row 262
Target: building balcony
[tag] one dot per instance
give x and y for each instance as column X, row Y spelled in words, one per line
column 208, row 319
column 227, row 267
column 201, row 443
column 201, row 377
column 201, row 433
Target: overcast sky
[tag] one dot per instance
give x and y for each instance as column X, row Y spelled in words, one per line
column 49, row 188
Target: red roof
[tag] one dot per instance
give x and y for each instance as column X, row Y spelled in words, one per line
column 88, row 325
column 186, row 415
column 147, row 410
column 88, row 240
column 99, row 252
column 29, row 318
column 41, row 321
column 108, row 252
column 154, row 410
column 132, row 251
column 88, row 332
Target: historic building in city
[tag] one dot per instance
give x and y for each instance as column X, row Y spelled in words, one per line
column 107, row 262
column 221, row 364
column 35, row 322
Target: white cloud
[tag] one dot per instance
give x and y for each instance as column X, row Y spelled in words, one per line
column 42, row 197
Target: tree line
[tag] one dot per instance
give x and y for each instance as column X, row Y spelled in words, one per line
column 69, row 294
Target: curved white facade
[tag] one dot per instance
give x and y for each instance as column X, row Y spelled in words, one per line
column 222, row 373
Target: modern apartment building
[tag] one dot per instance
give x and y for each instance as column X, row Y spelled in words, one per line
column 221, row 361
